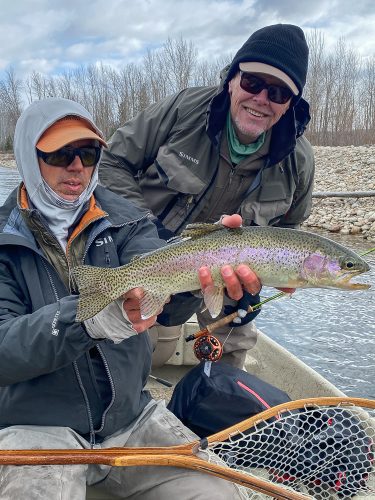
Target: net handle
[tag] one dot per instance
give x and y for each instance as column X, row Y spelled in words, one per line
column 192, row 447
column 119, row 457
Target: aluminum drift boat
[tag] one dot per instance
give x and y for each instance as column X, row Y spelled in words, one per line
column 267, row 360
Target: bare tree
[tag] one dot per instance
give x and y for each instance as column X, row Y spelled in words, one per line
column 314, row 90
column 366, row 102
column 332, row 91
column 154, row 73
column 177, row 58
column 347, row 68
column 209, row 74
column 11, row 89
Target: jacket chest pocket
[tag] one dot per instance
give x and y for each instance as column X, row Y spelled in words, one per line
column 272, row 201
column 177, row 171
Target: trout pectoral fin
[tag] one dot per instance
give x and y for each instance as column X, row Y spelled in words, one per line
column 213, row 298
column 152, row 303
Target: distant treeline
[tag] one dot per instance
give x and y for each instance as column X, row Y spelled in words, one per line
column 340, row 89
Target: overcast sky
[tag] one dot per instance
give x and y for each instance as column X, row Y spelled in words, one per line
column 51, row 36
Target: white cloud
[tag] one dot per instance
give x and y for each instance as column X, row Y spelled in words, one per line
column 47, row 35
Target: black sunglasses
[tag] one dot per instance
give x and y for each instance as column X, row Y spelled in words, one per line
column 63, row 157
column 254, row 85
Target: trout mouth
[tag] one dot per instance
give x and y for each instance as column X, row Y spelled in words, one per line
column 344, row 281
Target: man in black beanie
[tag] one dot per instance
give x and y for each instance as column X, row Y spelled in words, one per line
column 235, row 148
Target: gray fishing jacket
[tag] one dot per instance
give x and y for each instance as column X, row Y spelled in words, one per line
column 48, row 361
column 168, row 156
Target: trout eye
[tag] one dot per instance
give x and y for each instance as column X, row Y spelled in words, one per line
column 349, row 264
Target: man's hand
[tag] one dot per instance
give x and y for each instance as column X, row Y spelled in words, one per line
column 110, row 323
column 235, row 220
column 240, row 278
column 132, row 310
column 235, row 280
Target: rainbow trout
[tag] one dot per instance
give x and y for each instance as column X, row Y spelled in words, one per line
column 286, row 258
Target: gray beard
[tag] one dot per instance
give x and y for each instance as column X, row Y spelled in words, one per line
column 250, row 137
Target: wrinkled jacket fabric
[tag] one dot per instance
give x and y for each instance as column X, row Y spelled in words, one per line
column 167, row 157
column 46, row 373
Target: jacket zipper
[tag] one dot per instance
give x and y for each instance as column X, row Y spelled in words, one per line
column 231, row 174
column 75, row 366
column 88, row 409
column 54, row 289
column 107, row 259
column 188, row 211
column 189, row 203
column 112, row 387
column 71, row 284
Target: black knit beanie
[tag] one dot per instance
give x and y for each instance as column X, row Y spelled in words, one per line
column 280, row 45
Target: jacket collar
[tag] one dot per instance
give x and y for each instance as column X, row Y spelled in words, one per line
column 14, row 230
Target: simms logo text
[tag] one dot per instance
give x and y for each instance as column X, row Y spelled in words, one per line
column 184, row 155
column 103, row 241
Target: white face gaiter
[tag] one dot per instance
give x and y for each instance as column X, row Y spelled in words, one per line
column 60, row 214
column 64, row 212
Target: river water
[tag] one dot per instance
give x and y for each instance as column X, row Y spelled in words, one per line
column 333, row 331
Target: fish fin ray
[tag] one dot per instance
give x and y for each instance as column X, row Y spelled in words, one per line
column 200, row 229
column 213, row 298
column 152, row 302
column 177, row 239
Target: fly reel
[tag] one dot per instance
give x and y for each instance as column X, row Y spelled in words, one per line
column 208, row 348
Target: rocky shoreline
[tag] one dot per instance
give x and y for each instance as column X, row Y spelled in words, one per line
column 344, row 169
column 338, row 169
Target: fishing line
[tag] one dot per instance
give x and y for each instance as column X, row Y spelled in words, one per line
column 367, row 252
column 226, row 338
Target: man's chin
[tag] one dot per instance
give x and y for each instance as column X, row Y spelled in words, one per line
column 70, row 197
column 250, row 134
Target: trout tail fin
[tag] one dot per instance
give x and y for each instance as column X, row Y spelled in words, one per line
column 95, row 293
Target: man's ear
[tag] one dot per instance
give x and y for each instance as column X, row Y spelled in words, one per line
column 230, row 87
column 232, row 82
column 287, row 107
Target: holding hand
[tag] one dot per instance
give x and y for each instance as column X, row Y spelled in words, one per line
column 241, row 309
column 131, row 307
column 110, row 323
column 235, row 280
column 242, row 284
column 120, row 320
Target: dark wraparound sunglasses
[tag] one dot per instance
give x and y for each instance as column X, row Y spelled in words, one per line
column 254, row 85
column 89, row 156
